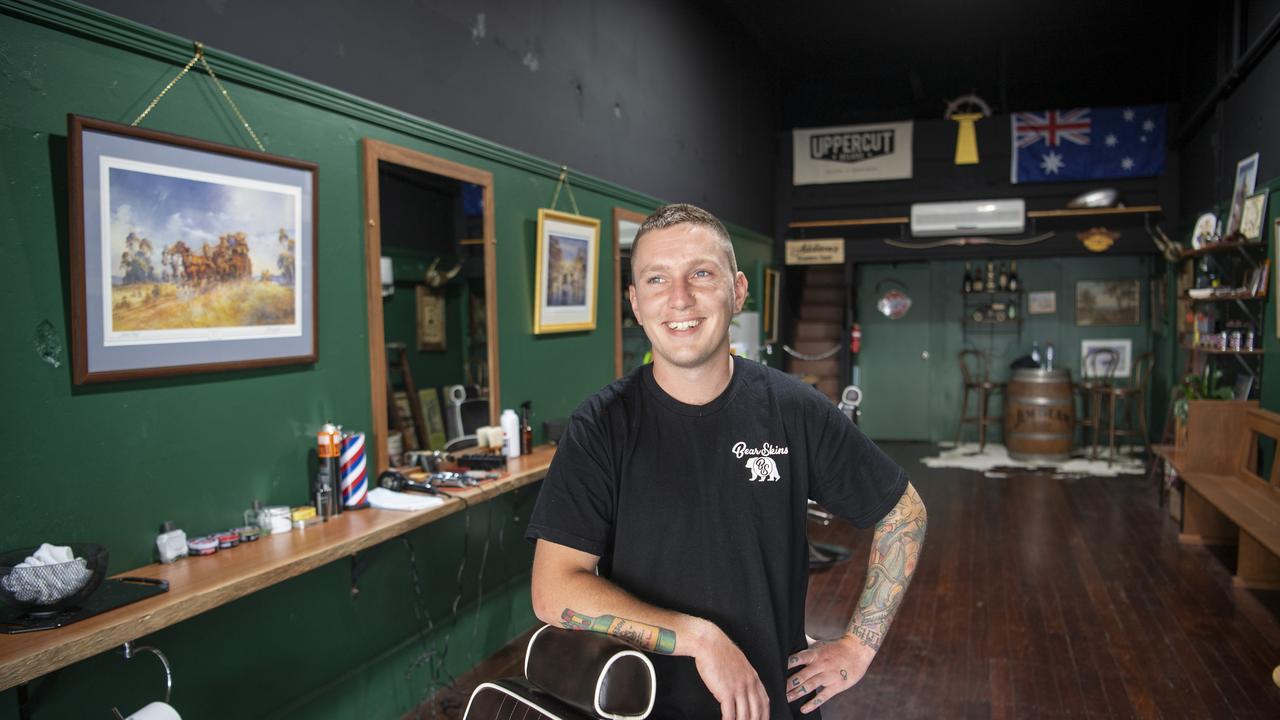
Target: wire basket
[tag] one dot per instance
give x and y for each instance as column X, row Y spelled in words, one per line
column 52, row 587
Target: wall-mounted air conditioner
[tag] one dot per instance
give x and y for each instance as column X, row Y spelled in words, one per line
column 968, row 217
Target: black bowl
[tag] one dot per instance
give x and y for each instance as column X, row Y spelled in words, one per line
column 48, row 588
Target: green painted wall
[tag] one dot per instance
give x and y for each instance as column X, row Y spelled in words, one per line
column 947, row 335
column 108, row 463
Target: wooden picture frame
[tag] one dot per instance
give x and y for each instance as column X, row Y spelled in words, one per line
column 145, row 301
column 626, row 223
column 770, row 322
column 1042, row 302
column 429, row 309
column 1108, row 302
column 1253, row 217
column 568, row 268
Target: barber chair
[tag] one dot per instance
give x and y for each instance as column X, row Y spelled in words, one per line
column 571, row 675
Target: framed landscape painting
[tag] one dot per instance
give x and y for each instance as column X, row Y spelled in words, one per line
column 186, row 256
column 1108, row 302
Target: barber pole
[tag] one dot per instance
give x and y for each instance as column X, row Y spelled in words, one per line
column 353, row 471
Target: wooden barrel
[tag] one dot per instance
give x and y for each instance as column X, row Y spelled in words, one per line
column 1039, row 415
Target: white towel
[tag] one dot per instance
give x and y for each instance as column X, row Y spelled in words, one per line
column 385, row 499
column 46, row 587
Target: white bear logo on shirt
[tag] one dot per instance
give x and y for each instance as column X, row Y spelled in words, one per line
column 763, row 469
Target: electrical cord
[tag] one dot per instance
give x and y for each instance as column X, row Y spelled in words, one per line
column 436, row 661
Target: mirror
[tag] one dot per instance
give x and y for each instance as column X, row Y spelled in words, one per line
column 630, row 346
column 432, row 300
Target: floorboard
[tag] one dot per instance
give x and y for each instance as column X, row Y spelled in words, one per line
column 1043, row 598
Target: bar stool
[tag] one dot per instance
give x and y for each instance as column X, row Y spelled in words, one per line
column 1136, row 396
column 1099, row 373
column 973, row 371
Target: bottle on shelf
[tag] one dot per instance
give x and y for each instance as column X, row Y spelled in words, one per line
column 968, row 278
column 991, row 277
column 1013, row 277
column 1003, row 280
column 1035, row 353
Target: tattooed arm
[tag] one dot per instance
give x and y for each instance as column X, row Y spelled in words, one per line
column 568, row 592
column 833, row 667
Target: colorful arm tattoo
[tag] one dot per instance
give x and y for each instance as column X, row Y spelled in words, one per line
column 895, row 551
column 643, row 636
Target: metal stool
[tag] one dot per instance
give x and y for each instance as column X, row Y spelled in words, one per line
column 1099, row 370
column 973, row 371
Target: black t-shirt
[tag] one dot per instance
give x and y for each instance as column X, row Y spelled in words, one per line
column 702, row 509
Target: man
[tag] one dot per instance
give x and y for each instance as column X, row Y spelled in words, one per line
column 673, row 515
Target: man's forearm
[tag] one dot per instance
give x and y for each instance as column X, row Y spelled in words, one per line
column 642, row 635
column 895, row 550
column 578, row 599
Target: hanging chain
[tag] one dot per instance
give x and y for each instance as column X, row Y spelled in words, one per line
column 156, row 100
column 820, row 356
column 564, row 183
column 200, row 56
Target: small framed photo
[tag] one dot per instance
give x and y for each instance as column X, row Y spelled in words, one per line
column 1108, row 302
column 772, row 297
column 1246, row 177
column 430, row 305
column 568, row 264
column 1123, row 348
column 186, row 256
column 1042, row 302
column 1253, row 217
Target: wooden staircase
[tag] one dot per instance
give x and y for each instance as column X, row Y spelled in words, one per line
column 819, row 326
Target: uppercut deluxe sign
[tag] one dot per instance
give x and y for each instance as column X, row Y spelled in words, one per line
column 852, row 153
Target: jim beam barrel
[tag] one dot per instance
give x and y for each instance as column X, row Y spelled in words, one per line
column 1039, row 415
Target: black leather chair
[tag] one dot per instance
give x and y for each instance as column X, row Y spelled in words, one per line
column 571, row 675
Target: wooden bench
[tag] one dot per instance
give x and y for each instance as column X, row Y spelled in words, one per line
column 1227, row 502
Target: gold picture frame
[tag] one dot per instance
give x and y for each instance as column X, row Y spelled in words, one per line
column 568, row 272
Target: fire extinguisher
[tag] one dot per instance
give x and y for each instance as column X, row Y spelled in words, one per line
column 855, row 339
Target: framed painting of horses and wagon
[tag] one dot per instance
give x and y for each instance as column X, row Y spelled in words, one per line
column 186, row 256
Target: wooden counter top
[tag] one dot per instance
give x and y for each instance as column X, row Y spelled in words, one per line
column 203, row 583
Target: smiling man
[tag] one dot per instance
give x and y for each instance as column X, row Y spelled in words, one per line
column 673, row 515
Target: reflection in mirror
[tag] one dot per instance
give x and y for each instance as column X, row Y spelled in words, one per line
column 631, row 347
column 432, row 351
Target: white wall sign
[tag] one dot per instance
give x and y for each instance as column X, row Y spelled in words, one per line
column 826, row 251
column 852, row 153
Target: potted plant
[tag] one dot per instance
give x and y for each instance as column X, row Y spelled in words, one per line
column 1195, row 404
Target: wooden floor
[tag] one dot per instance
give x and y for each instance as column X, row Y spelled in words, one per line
column 1043, row 598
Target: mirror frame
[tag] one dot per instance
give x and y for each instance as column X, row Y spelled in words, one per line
column 619, row 214
column 376, row 151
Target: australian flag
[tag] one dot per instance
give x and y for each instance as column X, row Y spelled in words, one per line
column 1088, row 143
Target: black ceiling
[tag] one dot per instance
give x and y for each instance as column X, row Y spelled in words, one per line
column 857, row 61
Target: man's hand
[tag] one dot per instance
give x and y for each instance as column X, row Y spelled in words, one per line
column 829, row 668
column 729, row 676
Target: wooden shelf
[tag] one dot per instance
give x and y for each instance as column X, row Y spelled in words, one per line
column 1219, row 248
column 1032, row 214
column 199, row 584
column 1226, row 297
column 1212, row 351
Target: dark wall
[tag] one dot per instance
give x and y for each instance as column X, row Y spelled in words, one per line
column 668, row 98
column 936, row 178
column 1244, row 122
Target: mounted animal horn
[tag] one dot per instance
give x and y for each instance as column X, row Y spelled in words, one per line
column 436, row 279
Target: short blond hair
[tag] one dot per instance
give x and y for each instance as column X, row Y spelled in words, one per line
column 686, row 214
